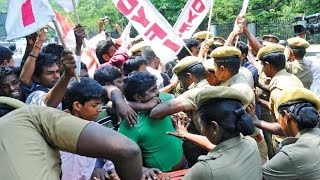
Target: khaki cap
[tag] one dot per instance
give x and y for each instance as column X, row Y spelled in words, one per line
column 297, row 42
column 186, row 63
column 14, row 103
column 219, row 40
column 225, row 52
column 299, row 94
column 137, row 47
column 219, row 92
column 268, row 36
column 202, row 35
column 271, row 48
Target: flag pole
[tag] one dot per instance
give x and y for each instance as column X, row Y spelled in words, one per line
column 78, row 18
column 63, row 44
column 209, row 23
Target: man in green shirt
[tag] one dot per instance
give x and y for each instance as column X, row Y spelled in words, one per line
column 158, row 150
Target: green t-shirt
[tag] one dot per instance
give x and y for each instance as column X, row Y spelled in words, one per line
column 159, row 150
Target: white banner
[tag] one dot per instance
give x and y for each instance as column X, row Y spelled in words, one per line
column 191, row 17
column 27, row 16
column 153, row 27
column 67, row 5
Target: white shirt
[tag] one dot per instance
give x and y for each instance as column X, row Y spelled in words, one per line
column 156, row 73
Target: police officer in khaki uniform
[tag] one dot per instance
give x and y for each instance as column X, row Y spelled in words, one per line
column 191, row 74
column 227, row 65
column 298, row 158
column 273, row 62
column 297, row 66
column 222, row 119
column 31, row 137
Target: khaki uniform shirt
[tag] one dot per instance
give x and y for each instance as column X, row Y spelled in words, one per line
column 30, row 138
column 236, row 158
column 188, row 101
column 240, row 83
column 281, row 81
column 299, row 69
column 298, row 160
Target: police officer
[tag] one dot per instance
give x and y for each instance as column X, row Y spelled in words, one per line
column 299, row 118
column 222, row 119
column 297, row 66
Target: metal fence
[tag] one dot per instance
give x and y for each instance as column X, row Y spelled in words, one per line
column 278, row 27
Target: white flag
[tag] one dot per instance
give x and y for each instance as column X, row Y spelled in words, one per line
column 153, row 27
column 67, row 5
column 191, row 17
column 27, row 16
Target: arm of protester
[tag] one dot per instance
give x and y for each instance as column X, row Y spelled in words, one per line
column 273, row 128
column 30, row 63
column 137, row 106
column 237, row 30
column 253, row 41
column 150, row 173
column 56, row 93
column 118, row 28
column 30, row 39
column 203, row 50
column 124, row 153
column 181, row 125
column 122, row 109
column 80, row 35
column 100, row 25
column 169, row 87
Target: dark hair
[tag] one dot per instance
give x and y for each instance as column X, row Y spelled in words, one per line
column 304, row 113
column 198, row 70
column 232, row 64
column 5, row 109
column 106, row 74
column 138, row 83
column 44, row 60
column 5, row 54
column 148, row 54
column 243, row 47
column 168, row 68
column 83, row 91
column 229, row 114
column 299, row 52
column 102, row 48
column 192, row 43
column 54, row 49
column 276, row 59
column 133, row 64
column 8, row 70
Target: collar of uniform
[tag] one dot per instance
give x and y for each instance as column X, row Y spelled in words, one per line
column 273, row 80
column 230, row 80
column 308, row 133
column 201, row 83
column 225, row 145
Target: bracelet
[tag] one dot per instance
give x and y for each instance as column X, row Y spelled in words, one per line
column 33, row 55
column 37, row 47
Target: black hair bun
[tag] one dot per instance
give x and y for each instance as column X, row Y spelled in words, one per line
column 244, row 124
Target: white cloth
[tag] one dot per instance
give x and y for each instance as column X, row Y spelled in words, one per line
column 156, row 73
column 313, row 62
column 76, row 167
column 37, row 98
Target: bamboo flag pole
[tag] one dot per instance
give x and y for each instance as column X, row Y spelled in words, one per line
column 77, row 17
column 63, row 43
column 208, row 29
